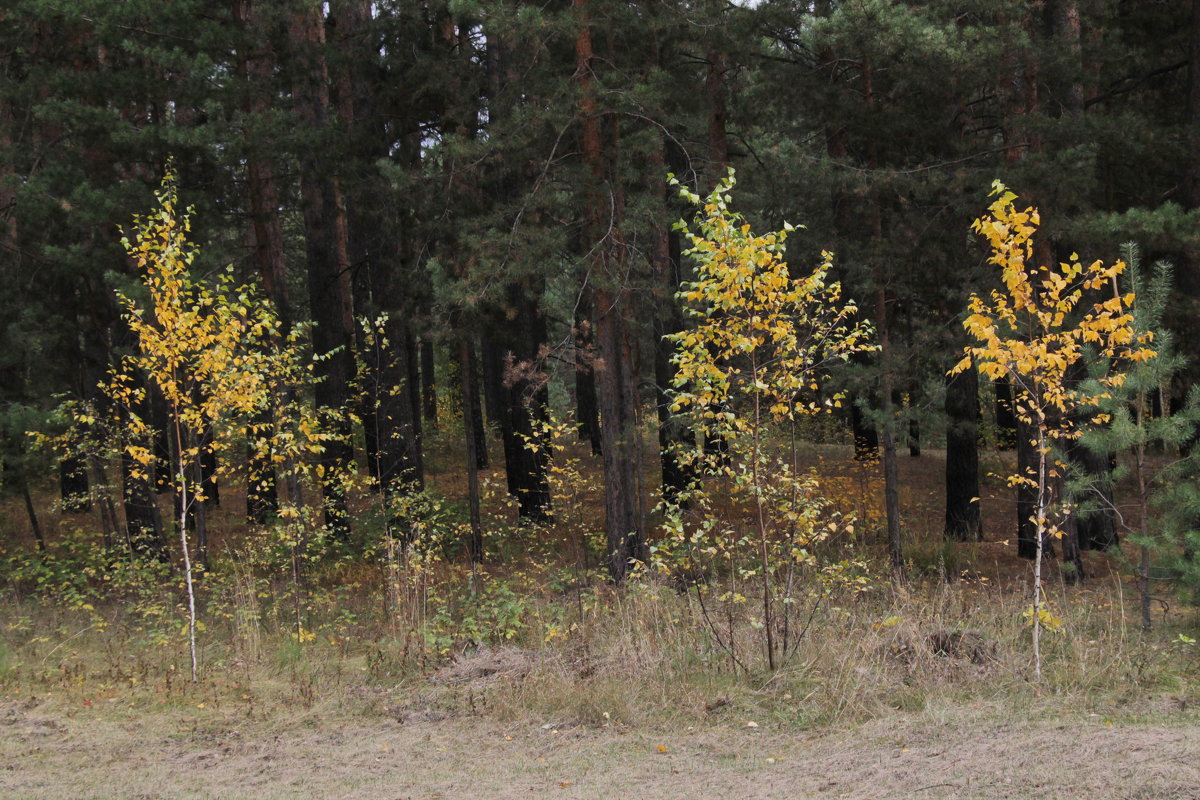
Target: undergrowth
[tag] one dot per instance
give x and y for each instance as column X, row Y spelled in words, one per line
column 565, row 651
column 399, row 623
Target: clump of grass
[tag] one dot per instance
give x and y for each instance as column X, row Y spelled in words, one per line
column 8, row 668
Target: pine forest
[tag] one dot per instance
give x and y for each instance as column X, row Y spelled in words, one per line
column 495, row 398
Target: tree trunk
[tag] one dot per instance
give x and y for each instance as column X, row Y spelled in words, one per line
column 414, row 390
column 34, row 525
column 587, row 408
column 964, row 522
column 1072, row 554
column 470, row 390
column 617, row 380
column 491, row 363
column 891, row 478
column 199, row 511
column 108, row 511
column 143, row 521
column 496, row 400
column 208, row 468
column 326, row 257
column 524, row 398
column 162, row 476
column 73, row 485
column 472, row 404
column 1006, row 417
column 623, row 504
column 673, row 434
column 398, row 460
column 266, row 235
column 866, row 436
column 428, row 384
column 1098, row 524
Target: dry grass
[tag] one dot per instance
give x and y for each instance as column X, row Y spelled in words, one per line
column 563, row 685
column 944, row 752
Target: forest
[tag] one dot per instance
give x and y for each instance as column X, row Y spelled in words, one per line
column 624, row 363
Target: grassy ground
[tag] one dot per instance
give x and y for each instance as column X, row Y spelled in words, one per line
column 978, row 751
column 533, row 678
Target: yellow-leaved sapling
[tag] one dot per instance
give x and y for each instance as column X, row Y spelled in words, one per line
column 753, row 361
column 216, row 355
column 1045, row 320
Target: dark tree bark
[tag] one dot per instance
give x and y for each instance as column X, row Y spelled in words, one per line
column 1097, row 524
column 380, row 256
column 73, row 485
column 475, row 405
column 587, row 408
column 495, row 398
column 1006, row 417
column 428, row 384
column 209, row 479
column 964, row 522
column 143, row 521
column 524, row 401
column 30, row 512
column 715, row 93
column 1093, row 523
column 414, row 389
column 329, row 291
column 1072, row 553
column 673, row 433
column 266, row 235
column 108, row 511
column 617, row 380
column 491, row 364
column 398, row 459
column 163, row 476
column 891, row 477
column 623, row 503
column 470, row 390
column 198, row 510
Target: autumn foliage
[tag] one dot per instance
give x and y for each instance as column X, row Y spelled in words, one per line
column 1034, row 333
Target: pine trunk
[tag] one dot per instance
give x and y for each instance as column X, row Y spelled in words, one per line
column 470, row 390
column 673, row 434
column 143, row 521
column 587, row 409
column 1006, row 417
column 73, row 485
column 964, row 522
column 266, row 236
column 428, row 384
column 473, row 404
column 616, row 378
column 525, row 399
column 326, row 258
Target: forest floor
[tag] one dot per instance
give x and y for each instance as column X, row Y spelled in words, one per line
column 949, row 752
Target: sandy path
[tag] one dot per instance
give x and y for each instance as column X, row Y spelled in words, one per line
column 958, row 756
